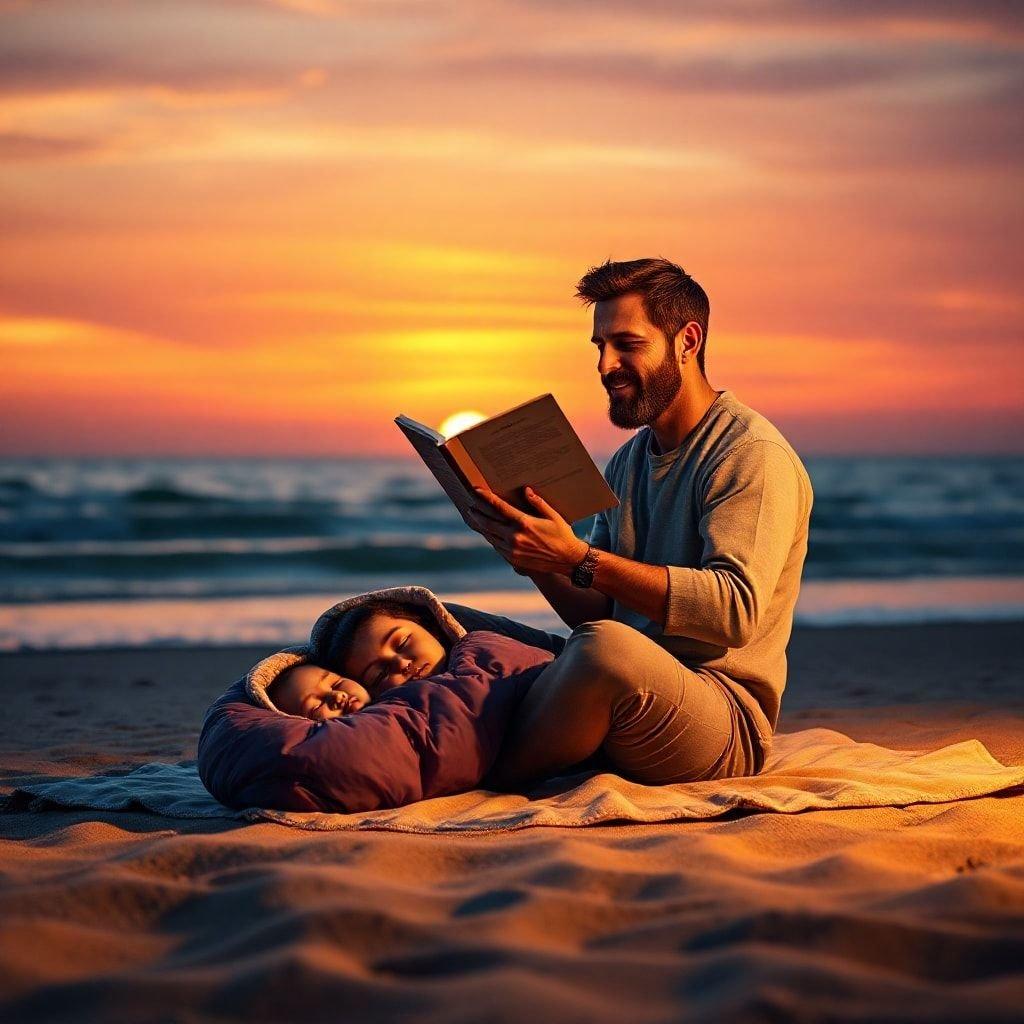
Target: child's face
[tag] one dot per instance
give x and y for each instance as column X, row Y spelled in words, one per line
column 388, row 652
column 316, row 693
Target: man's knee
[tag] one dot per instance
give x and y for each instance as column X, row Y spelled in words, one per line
column 600, row 652
column 604, row 638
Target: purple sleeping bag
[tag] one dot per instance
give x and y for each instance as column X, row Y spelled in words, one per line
column 423, row 739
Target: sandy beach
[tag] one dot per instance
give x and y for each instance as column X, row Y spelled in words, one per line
column 912, row 913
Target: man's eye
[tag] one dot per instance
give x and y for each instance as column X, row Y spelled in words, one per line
column 405, row 641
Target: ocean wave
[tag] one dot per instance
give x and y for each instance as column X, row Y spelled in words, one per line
column 27, row 592
column 16, row 485
column 217, row 525
column 168, row 494
column 234, row 546
column 94, row 521
column 234, row 566
column 416, row 501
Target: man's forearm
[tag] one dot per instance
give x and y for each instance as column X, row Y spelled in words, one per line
column 573, row 605
column 637, row 585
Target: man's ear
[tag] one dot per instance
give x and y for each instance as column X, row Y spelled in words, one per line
column 689, row 339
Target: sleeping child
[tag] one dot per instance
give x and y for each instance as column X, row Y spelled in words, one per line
column 382, row 644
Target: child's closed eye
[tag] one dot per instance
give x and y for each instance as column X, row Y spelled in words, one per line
column 383, row 672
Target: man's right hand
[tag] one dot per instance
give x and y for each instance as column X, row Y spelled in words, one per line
column 571, row 604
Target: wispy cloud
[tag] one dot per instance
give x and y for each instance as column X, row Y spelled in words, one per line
column 26, row 146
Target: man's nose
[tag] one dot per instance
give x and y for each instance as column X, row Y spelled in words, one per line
column 607, row 361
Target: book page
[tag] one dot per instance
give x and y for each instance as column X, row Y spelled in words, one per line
column 527, row 448
column 535, row 444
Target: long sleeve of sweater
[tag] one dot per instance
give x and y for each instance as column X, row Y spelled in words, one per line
column 750, row 510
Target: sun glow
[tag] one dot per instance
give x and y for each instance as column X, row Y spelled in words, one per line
column 460, row 421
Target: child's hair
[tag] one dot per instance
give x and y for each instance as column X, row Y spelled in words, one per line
column 355, row 618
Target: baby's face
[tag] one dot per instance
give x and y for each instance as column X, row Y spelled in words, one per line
column 316, row 693
column 388, row 652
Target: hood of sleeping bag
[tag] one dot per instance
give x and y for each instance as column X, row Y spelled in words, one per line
column 427, row 737
column 322, row 646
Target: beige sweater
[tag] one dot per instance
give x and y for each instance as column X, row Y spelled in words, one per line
column 727, row 513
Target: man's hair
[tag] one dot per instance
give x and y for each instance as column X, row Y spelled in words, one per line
column 670, row 296
column 354, row 619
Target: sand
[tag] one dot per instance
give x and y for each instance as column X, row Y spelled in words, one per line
column 905, row 914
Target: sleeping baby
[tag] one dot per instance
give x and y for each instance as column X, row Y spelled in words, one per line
column 315, row 692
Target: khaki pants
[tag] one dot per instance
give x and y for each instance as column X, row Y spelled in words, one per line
column 614, row 699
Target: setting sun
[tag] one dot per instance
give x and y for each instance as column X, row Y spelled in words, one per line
column 460, row 421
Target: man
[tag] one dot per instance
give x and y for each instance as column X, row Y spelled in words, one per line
column 681, row 603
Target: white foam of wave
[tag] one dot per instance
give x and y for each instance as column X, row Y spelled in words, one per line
column 284, row 620
column 923, row 599
column 224, row 620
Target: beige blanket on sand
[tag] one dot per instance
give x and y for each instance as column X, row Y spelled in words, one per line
column 815, row 769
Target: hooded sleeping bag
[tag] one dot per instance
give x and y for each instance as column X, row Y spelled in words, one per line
column 428, row 737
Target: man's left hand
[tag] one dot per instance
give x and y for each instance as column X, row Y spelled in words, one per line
column 529, row 543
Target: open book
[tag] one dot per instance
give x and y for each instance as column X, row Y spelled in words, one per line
column 531, row 444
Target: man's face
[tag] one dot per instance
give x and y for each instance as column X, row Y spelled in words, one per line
column 388, row 652
column 634, row 353
column 316, row 693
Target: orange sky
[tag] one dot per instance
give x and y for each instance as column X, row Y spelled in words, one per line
column 257, row 227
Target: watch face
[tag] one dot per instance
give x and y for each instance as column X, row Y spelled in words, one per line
column 583, row 575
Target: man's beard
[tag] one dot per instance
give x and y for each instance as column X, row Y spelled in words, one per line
column 650, row 397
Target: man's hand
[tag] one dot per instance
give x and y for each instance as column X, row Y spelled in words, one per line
column 529, row 543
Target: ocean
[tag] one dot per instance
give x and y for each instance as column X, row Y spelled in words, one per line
column 108, row 552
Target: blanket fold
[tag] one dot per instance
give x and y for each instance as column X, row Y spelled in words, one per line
column 814, row 769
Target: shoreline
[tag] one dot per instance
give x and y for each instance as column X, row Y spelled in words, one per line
column 190, row 647
column 185, row 622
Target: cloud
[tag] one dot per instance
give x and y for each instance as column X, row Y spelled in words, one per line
column 744, row 73
column 259, row 46
column 42, row 71
column 26, row 146
column 194, row 46
column 997, row 15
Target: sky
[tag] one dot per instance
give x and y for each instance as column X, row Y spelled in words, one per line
column 237, row 227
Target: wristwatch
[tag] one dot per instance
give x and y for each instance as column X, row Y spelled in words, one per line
column 583, row 574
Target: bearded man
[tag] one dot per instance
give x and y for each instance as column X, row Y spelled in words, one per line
column 681, row 599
